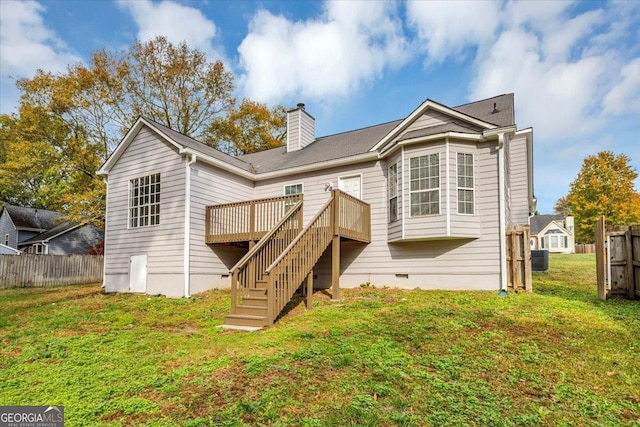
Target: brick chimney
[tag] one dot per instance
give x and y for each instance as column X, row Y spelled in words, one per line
column 301, row 128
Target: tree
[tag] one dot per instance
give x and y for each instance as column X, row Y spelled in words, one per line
column 249, row 128
column 604, row 186
column 68, row 124
column 563, row 207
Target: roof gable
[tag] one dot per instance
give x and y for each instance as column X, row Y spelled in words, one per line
column 539, row 222
column 461, row 116
column 182, row 142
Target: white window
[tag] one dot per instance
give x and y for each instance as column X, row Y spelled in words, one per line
column 553, row 242
column 290, row 190
column 6, row 239
column 144, row 201
column 392, row 183
column 425, row 185
column 465, row 184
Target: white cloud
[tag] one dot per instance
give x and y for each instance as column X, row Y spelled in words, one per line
column 26, row 44
column 624, row 97
column 333, row 56
column 178, row 23
column 557, row 97
column 446, row 29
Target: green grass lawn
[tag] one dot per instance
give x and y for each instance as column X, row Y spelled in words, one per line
column 380, row 357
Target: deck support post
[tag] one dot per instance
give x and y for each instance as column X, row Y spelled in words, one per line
column 335, row 267
column 309, row 290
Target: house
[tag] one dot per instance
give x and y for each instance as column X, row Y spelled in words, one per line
column 554, row 233
column 41, row 231
column 423, row 201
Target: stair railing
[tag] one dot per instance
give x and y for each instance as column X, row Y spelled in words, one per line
column 287, row 271
column 251, row 267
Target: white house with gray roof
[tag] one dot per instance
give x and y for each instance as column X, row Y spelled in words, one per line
column 423, row 201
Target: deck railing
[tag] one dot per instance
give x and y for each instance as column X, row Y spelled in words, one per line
column 341, row 215
column 250, row 268
column 246, row 221
column 353, row 217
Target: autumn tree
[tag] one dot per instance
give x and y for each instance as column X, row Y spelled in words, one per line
column 250, row 127
column 604, row 186
column 68, row 124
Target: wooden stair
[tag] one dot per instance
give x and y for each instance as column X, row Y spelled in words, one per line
column 266, row 278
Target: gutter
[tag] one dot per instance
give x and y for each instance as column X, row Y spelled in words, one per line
column 187, row 224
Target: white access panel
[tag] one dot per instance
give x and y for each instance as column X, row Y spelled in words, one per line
column 138, row 273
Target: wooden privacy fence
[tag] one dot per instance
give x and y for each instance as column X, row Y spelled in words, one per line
column 49, row 270
column 518, row 258
column 617, row 260
column 585, row 248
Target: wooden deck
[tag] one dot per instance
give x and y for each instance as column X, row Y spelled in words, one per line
column 267, row 277
column 247, row 221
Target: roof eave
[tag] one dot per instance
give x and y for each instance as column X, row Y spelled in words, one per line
column 430, row 138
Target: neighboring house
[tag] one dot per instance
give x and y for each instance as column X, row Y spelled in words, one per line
column 6, row 250
column 41, row 231
column 554, row 233
column 440, row 188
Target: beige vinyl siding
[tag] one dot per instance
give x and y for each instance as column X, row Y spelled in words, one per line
column 147, row 154
column 293, row 131
column 430, row 264
column 519, row 194
column 212, row 186
column 300, row 130
column 428, row 119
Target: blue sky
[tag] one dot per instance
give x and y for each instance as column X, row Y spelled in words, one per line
column 574, row 66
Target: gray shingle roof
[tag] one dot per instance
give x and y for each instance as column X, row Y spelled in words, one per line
column 325, row 148
column 539, row 222
column 61, row 228
column 189, row 142
column 503, row 115
column 351, row 143
column 434, row 130
column 39, row 219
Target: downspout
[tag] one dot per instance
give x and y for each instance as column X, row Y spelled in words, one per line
column 447, row 185
column 502, row 216
column 187, row 224
column 104, row 246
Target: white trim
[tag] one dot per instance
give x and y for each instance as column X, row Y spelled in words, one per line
column 447, row 185
column 353, row 176
column 420, row 139
column 187, row 224
column 429, row 105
